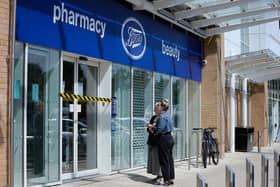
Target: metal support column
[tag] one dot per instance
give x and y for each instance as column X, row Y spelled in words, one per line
column 244, row 102
column 264, row 171
column 200, row 181
column 230, row 177
column 276, row 169
column 189, row 150
column 232, row 113
column 197, row 132
column 249, row 174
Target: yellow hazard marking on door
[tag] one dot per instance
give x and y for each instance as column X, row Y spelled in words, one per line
column 71, row 97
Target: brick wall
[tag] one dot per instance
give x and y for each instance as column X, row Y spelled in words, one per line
column 258, row 115
column 238, row 108
column 4, row 127
column 215, row 108
column 212, row 88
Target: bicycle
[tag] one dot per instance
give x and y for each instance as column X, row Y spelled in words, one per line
column 209, row 147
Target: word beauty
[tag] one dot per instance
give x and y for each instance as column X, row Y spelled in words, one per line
column 170, row 51
column 71, row 17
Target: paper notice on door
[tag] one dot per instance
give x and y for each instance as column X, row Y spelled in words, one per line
column 35, row 92
column 71, row 108
column 16, row 89
column 80, row 88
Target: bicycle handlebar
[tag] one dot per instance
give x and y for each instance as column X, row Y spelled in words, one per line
column 211, row 128
column 197, row 128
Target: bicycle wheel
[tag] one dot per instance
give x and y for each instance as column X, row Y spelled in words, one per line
column 204, row 153
column 215, row 152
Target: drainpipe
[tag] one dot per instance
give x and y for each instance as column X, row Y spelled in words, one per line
column 10, row 72
column 232, row 113
column 244, row 103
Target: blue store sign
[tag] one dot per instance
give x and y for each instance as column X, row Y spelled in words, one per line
column 109, row 30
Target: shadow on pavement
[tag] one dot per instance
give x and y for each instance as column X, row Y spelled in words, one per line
column 139, row 178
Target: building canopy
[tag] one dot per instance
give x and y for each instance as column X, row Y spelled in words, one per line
column 257, row 66
column 209, row 17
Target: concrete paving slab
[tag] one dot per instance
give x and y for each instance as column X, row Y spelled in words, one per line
column 214, row 175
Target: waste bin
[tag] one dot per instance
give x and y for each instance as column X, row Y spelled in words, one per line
column 244, row 138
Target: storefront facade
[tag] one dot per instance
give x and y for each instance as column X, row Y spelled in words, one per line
column 85, row 80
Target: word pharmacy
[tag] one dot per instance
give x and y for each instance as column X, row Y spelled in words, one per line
column 71, row 17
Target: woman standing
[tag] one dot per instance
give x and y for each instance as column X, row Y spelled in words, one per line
column 153, row 157
column 164, row 127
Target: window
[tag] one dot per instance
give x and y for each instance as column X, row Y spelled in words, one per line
column 193, row 111
column 121, row 128
column 144, row 88
column 18, row 114
column 179, row 116
column 41, row 122
column 162, row 87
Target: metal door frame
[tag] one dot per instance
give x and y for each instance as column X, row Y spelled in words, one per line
column 75, row 60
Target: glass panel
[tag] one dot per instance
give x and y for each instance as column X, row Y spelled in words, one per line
column 18, row 115
column 243, row 8
column 194, row 111
column 233, row 10
column 142, row 112
column 250, row 19
column 42, row 116
column 204, row 3
column 179, row 116
column 162, row 87
column 87, row 118
column 67, row 119
column 271, row 127
column 275, row 118
column 121, row 139
column 278, row 81
column 273, row 111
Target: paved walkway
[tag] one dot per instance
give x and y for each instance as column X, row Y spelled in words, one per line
column 214, row 175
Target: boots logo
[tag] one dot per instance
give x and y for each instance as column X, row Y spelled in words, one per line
column 133, row 38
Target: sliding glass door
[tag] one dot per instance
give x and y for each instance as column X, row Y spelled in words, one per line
column 79, row 119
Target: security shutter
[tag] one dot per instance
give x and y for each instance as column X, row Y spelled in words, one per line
column 142, row 102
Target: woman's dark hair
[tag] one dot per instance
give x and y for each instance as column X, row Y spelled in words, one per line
column 165, row 104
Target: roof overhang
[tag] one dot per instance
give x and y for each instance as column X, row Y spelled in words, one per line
column 206, row 18
column 257, row 66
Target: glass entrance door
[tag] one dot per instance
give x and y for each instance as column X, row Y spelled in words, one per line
column 41, row 158
column 79, row 121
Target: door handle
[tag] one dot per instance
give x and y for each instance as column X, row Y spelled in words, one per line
column 52, row 119
column 29, row 137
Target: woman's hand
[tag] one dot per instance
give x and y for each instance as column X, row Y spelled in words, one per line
column 150, row 126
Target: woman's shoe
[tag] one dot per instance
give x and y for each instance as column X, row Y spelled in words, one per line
column 166, row 183
column 158, row 182
column 157, row 178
